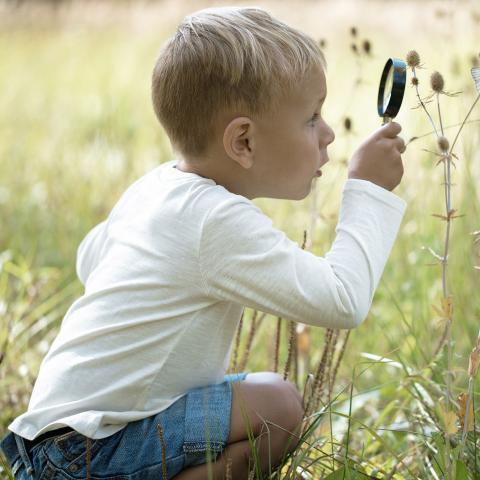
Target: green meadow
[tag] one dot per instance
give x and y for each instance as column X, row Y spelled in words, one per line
column 77, row 128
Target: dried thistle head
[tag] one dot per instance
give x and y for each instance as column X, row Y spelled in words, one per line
column 436, row 82
column 413, row 59
column 347, row 123
column 414, row 81
column 443, row 144
column 367, row 46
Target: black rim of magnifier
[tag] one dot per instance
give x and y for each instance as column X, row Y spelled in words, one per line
column 398, row 87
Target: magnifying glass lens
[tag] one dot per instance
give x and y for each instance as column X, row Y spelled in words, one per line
column 387, row 93
column 391, row 88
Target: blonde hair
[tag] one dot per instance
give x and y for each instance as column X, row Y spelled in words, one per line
column 222, row 59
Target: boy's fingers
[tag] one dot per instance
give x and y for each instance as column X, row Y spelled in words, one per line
column 391, row 129
column 401, row 144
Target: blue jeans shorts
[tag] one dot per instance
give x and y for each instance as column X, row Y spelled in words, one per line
column 195, row 430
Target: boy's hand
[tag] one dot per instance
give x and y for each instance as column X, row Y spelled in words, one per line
column 378, row 159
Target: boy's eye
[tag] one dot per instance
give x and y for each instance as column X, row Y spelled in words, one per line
column 314, row 118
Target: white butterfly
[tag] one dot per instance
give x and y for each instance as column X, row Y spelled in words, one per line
column 476, row 77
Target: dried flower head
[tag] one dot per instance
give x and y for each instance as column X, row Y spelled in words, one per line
column 436, row 81
column 413, row 59
column 347, row 123
column 322, row 42
column 414, row 81
column 354, row 48
column 367, row 46
column 474, row 359
column 443, row 143
column 353, row 31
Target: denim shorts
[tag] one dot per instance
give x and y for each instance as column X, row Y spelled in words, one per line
column 194, row 430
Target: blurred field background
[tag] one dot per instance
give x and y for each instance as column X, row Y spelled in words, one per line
column 77, row 127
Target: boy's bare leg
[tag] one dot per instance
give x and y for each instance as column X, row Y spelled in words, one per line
column 263, row 396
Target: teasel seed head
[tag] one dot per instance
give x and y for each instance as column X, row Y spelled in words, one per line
column 347, row 123
column 367, row 46
column 443, row 143
column 436, row 82
column 413, row 59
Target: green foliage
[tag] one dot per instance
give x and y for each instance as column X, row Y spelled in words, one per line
column 77, row 128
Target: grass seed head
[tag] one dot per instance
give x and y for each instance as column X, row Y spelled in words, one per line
column 413, row 59
column 436, row 82
column 443, row 143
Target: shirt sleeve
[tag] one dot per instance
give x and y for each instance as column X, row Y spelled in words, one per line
column 88, row 252
column 244, row 259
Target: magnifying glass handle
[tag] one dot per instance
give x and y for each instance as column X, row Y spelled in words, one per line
column 386, row 120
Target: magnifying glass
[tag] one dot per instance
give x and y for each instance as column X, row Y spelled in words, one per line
column 391, row 89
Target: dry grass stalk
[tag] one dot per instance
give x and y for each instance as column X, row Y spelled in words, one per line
column 164, row 452
column 291, row 340
column 339, row 357
column 319, row 375
column 324, row 380
column 277, row 344
column 333, row 345
column 228, row 469
column 237, row 342
column 303, row 345
column 251, row 334
column 295, row 357
column 254, row 328
column 87, row 456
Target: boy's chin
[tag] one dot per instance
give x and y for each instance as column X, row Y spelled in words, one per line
column 289, row 196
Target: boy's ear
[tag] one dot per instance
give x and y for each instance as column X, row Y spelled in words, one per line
column 238, row 141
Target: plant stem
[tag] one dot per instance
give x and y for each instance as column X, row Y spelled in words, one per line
column 423, row 105
column 463, row 123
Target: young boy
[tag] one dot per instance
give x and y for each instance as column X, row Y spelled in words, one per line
column 136, row 374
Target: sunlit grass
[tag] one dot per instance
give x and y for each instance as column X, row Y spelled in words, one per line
column 77, row 128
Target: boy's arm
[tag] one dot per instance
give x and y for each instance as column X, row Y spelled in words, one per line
column 88, row 252
column 245, row 260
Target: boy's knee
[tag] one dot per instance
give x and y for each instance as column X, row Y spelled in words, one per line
column 277, row 379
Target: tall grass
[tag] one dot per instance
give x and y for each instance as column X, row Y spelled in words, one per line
column 77, row 128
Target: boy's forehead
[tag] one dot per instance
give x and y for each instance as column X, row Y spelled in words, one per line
column 313, row 87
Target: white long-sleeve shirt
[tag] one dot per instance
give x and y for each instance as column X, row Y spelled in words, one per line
column 167, row 276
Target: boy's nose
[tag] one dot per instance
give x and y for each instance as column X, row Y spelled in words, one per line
column 329, row 136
